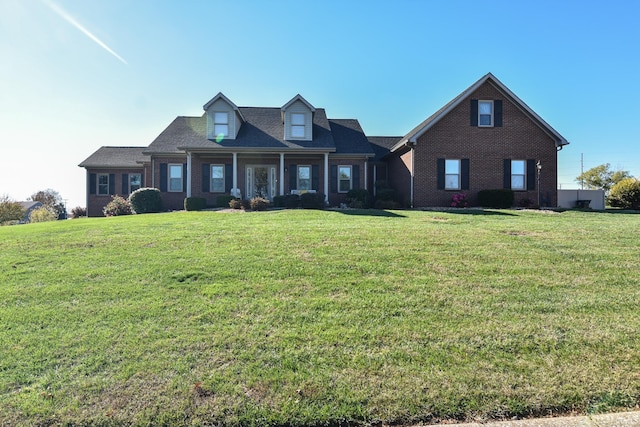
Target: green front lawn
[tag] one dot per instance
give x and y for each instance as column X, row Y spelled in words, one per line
column 305, row 318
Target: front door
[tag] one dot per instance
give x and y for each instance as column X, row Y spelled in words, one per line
column 261, row 181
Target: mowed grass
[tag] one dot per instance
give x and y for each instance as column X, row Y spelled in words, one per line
column 308, row 318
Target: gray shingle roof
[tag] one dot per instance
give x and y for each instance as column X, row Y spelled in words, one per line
column 382, row 145
column 119, row 157
column 263, row 128
column 349, row 137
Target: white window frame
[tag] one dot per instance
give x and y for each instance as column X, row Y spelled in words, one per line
column 169, row 177
column 489, row 102
column 340, row 180
column 298, row 186
column 448, row 172
column 131, row 190
column 523, row 175
column 298, row 126
column 218, row 122
column 98, row 184
column 211, row 186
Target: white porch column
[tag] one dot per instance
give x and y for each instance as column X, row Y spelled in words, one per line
column 235, row 171
column 375, row 178
column 326, row 177
column 281, row 174
column 366, row 175
column 188, row 174
column 413, row 155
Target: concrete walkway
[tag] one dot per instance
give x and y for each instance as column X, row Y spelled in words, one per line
column 623, row 419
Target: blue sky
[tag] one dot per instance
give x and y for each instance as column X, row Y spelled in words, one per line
column 79, row 74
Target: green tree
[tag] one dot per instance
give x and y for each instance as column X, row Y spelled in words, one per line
column 43, row 214
column 602, row 177
column 625, row 194
column 51, row 199
column 9, row 210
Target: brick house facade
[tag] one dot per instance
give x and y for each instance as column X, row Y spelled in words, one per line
column 485, row 138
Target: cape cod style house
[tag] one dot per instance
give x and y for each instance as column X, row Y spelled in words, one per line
column 485, row 138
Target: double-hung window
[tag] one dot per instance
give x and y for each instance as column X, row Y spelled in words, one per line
column 175, row 177
column 221, row 124
column 103, row 184
column 217, row 178
column 297, row 125
column 485, row 113
column 518, row 174
column 452, row 174
column 135, row 182
column 304, row 178
column 344, row 179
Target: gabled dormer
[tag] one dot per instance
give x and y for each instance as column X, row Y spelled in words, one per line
column 297, row 116
column 223, row 118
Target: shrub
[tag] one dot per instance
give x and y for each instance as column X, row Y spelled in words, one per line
column 459, row 200
column 387, row 204
column 525, row 203
column 146, row 200
column 386, row 194
column 43, row 214
column 359, row 199
column 312, row 201
column 625, row 194
column 236, row 204
column 499, row 199
column 78, row 212
column 278, row 201
column 223, row 200
column 259, row 204
column 292, row 201
column 117, row 206
column 195, row 203
column 10, row 210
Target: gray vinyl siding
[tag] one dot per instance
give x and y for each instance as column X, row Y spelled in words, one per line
column 220, row 106
column 298, row 107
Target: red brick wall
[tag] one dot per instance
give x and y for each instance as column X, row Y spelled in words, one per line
column 519, row 138
column 95, row 202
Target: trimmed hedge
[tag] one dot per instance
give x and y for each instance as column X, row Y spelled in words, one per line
column 223, row 200
column 359, row 199
column 195, row 203
column 498, row 199
column 146, row 200
column 312, row 201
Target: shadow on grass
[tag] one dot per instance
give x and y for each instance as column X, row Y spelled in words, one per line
column 368, row 212
column 472, row 211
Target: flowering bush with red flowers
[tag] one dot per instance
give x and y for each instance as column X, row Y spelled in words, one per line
column 459, row 200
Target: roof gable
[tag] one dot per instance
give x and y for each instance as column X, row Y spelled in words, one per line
column 220, row 96
column 298, row 97
column 427, row 124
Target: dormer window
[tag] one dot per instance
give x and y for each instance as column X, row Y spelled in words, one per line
column 221, row 124
column 297, row 125
column 485, row 113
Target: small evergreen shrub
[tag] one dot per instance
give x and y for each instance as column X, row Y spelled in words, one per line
column 117, row 206
column 386, row 194
column 195, row 203
column 312, row 201
column 259, row 204
column 358, row 199
column 222, row 201
column 78, row 212
column 625, row 194
column 292, row 201
column 43, row 214
column 278, row 201
column 146, row 200
column 499, row 199
column 386, row 204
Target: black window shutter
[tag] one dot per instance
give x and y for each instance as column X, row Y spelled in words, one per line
column 92, row 183
column 497, row 113
column 228, row 177
column 334, row 178
column 464, row 171
column 531, row 174
column 315, row 177
column 184, row 177
column 507, row 173
column 440, row 174
column 474, row 112
column 355, row 180
column 142, row 180
column 163, row 177
column 112, row 183
column 125, row 183
column 206, row 177
column 293, row 177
